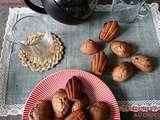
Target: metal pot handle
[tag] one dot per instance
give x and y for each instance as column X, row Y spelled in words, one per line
column 35, row 7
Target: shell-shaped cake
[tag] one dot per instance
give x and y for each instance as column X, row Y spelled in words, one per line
column 61, row 104
column 99, row 63
column 142, row 62
column 99, row 111
column 89, row 47
column 122, row 72
column 41, row 110
column 121, row 48
column 82, row 103
column 73, row 88
column 109, row 31
column 77, row 115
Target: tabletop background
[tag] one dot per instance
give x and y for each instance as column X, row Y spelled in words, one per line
column 3, row 19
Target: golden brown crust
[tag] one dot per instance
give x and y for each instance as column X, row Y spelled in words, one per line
column 73, row 88
column 121, row 48
column 99, row 111
column 42, row 110
column 61, row 104
column 82, row 103
column 142, row 62
column 89, row 47
column 99, row 63
column 77, row 115
column 122, row 72
column 109, row 31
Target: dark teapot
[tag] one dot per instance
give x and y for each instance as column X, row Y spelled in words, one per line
column 65, row 11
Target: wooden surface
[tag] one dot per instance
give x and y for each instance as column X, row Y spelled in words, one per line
column 3, row 19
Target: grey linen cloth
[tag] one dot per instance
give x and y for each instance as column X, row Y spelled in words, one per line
column 141, row 88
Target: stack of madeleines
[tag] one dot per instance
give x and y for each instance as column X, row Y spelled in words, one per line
column 70, row 104
column 100, row 61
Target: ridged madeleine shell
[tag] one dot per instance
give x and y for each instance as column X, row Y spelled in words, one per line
column 73, row 88
column 109, row 31
column 89, row 47
column 77, row 115
column 99, row 63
